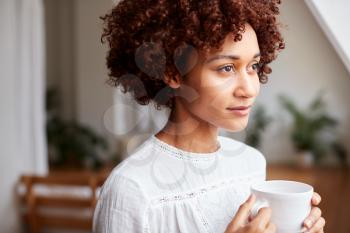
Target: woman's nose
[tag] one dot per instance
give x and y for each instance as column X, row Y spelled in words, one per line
column 247, row 85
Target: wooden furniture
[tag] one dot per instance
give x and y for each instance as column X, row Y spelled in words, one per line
column 54, row 193
column 332, row 183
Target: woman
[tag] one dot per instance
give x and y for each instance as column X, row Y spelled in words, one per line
column 204, row 60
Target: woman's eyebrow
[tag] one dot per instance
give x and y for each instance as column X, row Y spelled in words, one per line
column 232, row 57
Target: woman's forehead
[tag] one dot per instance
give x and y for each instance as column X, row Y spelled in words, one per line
column 247, row 47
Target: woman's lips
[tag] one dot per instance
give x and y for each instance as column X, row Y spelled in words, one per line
column 240, row 110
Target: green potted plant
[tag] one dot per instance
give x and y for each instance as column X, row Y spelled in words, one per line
column 308, row 128
column 260, row 120
column 71, row 144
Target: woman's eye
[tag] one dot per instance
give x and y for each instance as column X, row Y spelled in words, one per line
column 256, row 66
column 228, row 68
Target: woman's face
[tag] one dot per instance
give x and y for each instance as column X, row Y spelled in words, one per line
column 225, row 79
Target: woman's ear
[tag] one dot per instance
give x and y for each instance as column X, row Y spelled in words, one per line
column 174, row 82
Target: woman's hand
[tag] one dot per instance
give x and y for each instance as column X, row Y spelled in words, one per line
column 314, row 223
column 259, row 224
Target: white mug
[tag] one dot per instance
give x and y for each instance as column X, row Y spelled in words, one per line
column 290, row 202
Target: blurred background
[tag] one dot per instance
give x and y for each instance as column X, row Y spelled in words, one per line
column 62, row 128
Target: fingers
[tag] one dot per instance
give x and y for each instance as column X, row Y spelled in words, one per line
column 316, row 199
column 262, row 219
column 314, row 222
column 244, row 210
column 314, row 215
column 318, row 226
column 242, row 214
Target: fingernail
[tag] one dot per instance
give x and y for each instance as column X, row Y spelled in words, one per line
column 303, row 229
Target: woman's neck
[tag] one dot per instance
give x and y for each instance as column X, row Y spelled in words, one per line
column 189, row 133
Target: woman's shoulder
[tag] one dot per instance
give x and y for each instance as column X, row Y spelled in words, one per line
column 119, row 180
column 126, row 175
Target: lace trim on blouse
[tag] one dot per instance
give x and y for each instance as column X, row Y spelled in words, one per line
column 181, row 154
column 182, row 196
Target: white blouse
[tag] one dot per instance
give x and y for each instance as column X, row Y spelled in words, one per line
column 163, row 189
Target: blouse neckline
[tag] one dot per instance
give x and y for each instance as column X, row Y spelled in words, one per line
column 174, row 151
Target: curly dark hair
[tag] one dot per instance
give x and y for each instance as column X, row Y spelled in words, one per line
column 150, row 40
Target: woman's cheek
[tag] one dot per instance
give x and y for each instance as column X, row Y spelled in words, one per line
column 257, row 86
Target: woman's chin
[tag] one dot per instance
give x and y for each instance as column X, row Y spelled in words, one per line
column 236, row 125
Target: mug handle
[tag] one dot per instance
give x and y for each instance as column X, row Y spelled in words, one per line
column 257, row 206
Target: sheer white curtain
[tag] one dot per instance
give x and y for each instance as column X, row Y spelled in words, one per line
column 31, row 83
column 22, row 88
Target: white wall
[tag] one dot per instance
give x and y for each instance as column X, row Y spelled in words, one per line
column 94, row 96
column 334, row 20
column 308, row 64
column 60, row 53
column 76, row 61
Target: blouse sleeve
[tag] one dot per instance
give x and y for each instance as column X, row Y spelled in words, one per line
column 121, row 207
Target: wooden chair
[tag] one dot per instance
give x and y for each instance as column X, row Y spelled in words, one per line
column 34, row 201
